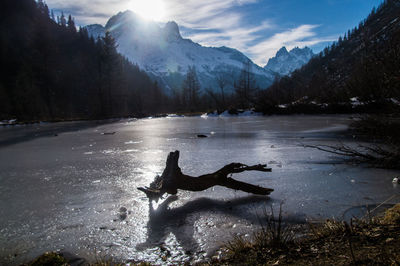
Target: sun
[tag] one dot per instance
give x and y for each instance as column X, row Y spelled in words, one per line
column 149, row 9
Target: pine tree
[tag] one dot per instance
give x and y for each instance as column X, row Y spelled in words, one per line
column 107, row 70
column 71, row 24
column 41, row 6
column 63, row 21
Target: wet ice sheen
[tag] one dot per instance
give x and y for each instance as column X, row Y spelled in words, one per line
column 64, row 193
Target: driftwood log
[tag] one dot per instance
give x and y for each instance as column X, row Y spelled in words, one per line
column 173, row 179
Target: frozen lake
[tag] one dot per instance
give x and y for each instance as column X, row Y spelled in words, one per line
column 62, row 186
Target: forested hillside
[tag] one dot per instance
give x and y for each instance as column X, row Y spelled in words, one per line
column 51, row 70
column 361, row 71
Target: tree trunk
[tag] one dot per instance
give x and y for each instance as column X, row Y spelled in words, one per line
column 173, row 179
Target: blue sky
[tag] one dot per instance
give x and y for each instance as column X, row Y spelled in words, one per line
column 258, row 28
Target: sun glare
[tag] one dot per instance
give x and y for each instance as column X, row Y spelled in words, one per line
column 149, row 9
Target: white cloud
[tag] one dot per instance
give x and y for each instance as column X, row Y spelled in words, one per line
column 234, row 36
column 89, row 11
column 199, row 12
column 216, row 24
column 208, row 22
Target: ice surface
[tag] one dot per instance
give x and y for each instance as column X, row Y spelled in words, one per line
column 55, row 197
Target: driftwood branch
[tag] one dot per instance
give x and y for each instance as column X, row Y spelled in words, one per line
column 173, row 179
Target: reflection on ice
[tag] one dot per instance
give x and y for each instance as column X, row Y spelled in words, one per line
column 153, row 151
column 129, row 151
column 133, row 142
column 112, row 151
column 164, row 221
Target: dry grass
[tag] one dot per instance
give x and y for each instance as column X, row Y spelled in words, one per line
column 49, row 259
column 392, row 215
column 363, row 242
column 274, row 233
column 275, row 237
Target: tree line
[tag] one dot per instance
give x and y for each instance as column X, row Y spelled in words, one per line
column 191, row 98
column 51, row 70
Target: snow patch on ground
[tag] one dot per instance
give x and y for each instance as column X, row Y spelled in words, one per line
column 355, row 101
column 174, row 115
column 8, row 122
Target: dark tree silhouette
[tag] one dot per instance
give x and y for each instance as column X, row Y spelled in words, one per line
column 246, row 87
column 191, row 89
column 51, row 71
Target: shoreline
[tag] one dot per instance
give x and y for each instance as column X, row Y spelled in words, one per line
column 295, row 108
column 3, row 123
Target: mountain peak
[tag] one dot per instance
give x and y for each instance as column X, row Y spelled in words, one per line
column 171, row 30
column 121, row 16
column 286, row 62
column 306, row 51
column 282, row 51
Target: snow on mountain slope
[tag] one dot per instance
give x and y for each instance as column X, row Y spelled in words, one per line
column 165, row 55
column 286, row 62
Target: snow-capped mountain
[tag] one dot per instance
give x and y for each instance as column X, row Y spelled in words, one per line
column 286, row 62
column 166, row 56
